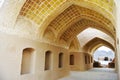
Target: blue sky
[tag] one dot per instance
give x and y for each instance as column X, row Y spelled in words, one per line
column 104, row 48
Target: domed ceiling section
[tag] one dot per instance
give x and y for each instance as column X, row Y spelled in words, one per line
column 90, row 33
column 96, row 42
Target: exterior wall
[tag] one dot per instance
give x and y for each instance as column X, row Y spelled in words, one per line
column 11, row 50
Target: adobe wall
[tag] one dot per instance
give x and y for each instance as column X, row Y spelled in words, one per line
column 79, row 62
column 11, row 50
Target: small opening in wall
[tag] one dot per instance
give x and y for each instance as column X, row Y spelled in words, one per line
column 71, row 59
column 60, row 60
column 48, row 60
column 85, row 59
column 27, row 61
column 91, row 59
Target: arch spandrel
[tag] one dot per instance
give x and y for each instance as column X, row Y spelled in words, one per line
column 74, row 45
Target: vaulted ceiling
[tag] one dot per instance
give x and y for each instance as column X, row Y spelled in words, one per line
column 60, row 21
column 57, row 21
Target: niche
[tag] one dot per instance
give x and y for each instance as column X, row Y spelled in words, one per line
column 27, row 61
column 71, row 59
column 48, row 60
column 60, row 64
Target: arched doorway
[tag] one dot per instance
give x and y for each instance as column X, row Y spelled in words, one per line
column 104, row 57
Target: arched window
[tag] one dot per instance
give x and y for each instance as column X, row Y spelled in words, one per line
column 60, row 64
column 71, row 59
column 27, row 61
column 48, row 60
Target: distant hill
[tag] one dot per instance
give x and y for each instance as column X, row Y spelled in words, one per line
column 102, row 54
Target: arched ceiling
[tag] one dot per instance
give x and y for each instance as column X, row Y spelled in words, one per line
column 75, row 19
column 95, row 43
column 83, row 37
column 38, row 10
column 45, row 12
column 80, row 26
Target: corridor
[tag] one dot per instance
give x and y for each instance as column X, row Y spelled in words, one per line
column 93, row 74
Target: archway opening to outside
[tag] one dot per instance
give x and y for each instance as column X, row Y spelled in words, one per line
column 104, row 57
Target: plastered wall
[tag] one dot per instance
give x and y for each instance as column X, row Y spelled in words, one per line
column 11, row 50
column 79, row 62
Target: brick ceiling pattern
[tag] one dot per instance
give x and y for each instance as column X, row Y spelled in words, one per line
column 70, row 22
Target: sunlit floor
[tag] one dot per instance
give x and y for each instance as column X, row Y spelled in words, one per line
column 93, row 74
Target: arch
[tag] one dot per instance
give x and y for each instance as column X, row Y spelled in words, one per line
column 75, row 19
column 44, row 10
column 100, row 57
column 99, row 45
column 74, row 3
column 81, row 25
column 72, row 59
column 48, row 60
column 27, row 61
column 60, row 64
column 95, row 43
column 83, row 38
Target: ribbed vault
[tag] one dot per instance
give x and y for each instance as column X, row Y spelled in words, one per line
column 75, row 19
column 47, row 13
column 93, row 44
column 81, row 25
column 38, row 10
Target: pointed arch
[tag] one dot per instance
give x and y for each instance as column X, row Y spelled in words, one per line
column 92, row 45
